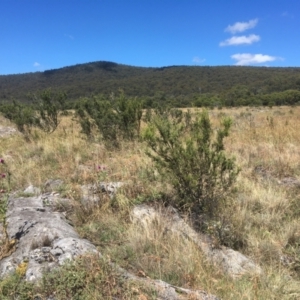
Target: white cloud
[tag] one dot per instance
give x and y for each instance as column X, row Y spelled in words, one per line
column 240, row 40
column 286, row 14
column 244, row 59
column 198, row 60
column 241, row 26
column 36, row 64
column 71, row 37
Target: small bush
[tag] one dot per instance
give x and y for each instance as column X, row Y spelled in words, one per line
column 23, row 116
column 115, row 119
column 49, row 106
column 193, row 158
column 44, row 114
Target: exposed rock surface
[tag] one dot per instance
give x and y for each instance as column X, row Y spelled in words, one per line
column 52, row 185
column 44, row 240
column 166, row 291
column 43, row 237
column 92, row 192
column 232, row 262
column 32, row 190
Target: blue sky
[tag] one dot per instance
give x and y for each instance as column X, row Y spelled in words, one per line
column 37, row 35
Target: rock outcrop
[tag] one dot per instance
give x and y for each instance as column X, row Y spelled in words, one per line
column 91, row 193
column 41, row 239
column 231, row 262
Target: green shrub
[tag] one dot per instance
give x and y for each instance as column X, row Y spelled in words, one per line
column 98, row 113
column 115, row 118
column 192, row 157
column 49, row 107
column 44, row 114
column 23, row 116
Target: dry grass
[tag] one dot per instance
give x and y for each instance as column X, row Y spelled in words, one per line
column 265, row 210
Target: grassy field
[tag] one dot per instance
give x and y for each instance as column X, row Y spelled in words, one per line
column 263, row 215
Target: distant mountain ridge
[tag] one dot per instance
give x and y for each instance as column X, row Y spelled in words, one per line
column 104, row 77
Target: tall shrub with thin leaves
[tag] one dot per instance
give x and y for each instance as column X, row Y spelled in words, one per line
column 191, row 154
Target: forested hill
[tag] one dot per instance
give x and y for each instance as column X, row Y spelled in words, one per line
column 180, row 84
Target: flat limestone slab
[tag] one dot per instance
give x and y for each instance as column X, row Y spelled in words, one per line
column 44, row 238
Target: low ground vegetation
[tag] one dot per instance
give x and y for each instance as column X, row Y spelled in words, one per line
column 259, row 215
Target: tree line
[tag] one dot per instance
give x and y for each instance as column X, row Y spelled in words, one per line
column 178, row 86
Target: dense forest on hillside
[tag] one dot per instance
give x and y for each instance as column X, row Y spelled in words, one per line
column 175, row 85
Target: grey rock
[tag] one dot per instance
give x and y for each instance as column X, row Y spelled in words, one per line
column 231, row 262
column 46, row 241
column 43, row 236
column 52, row 185
column 56, row 202
column 91, row 193
column 32, row 190
column 71, row 248
column 56, row 252
column 110, row 187
column 169, row 292
column 166, row 291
